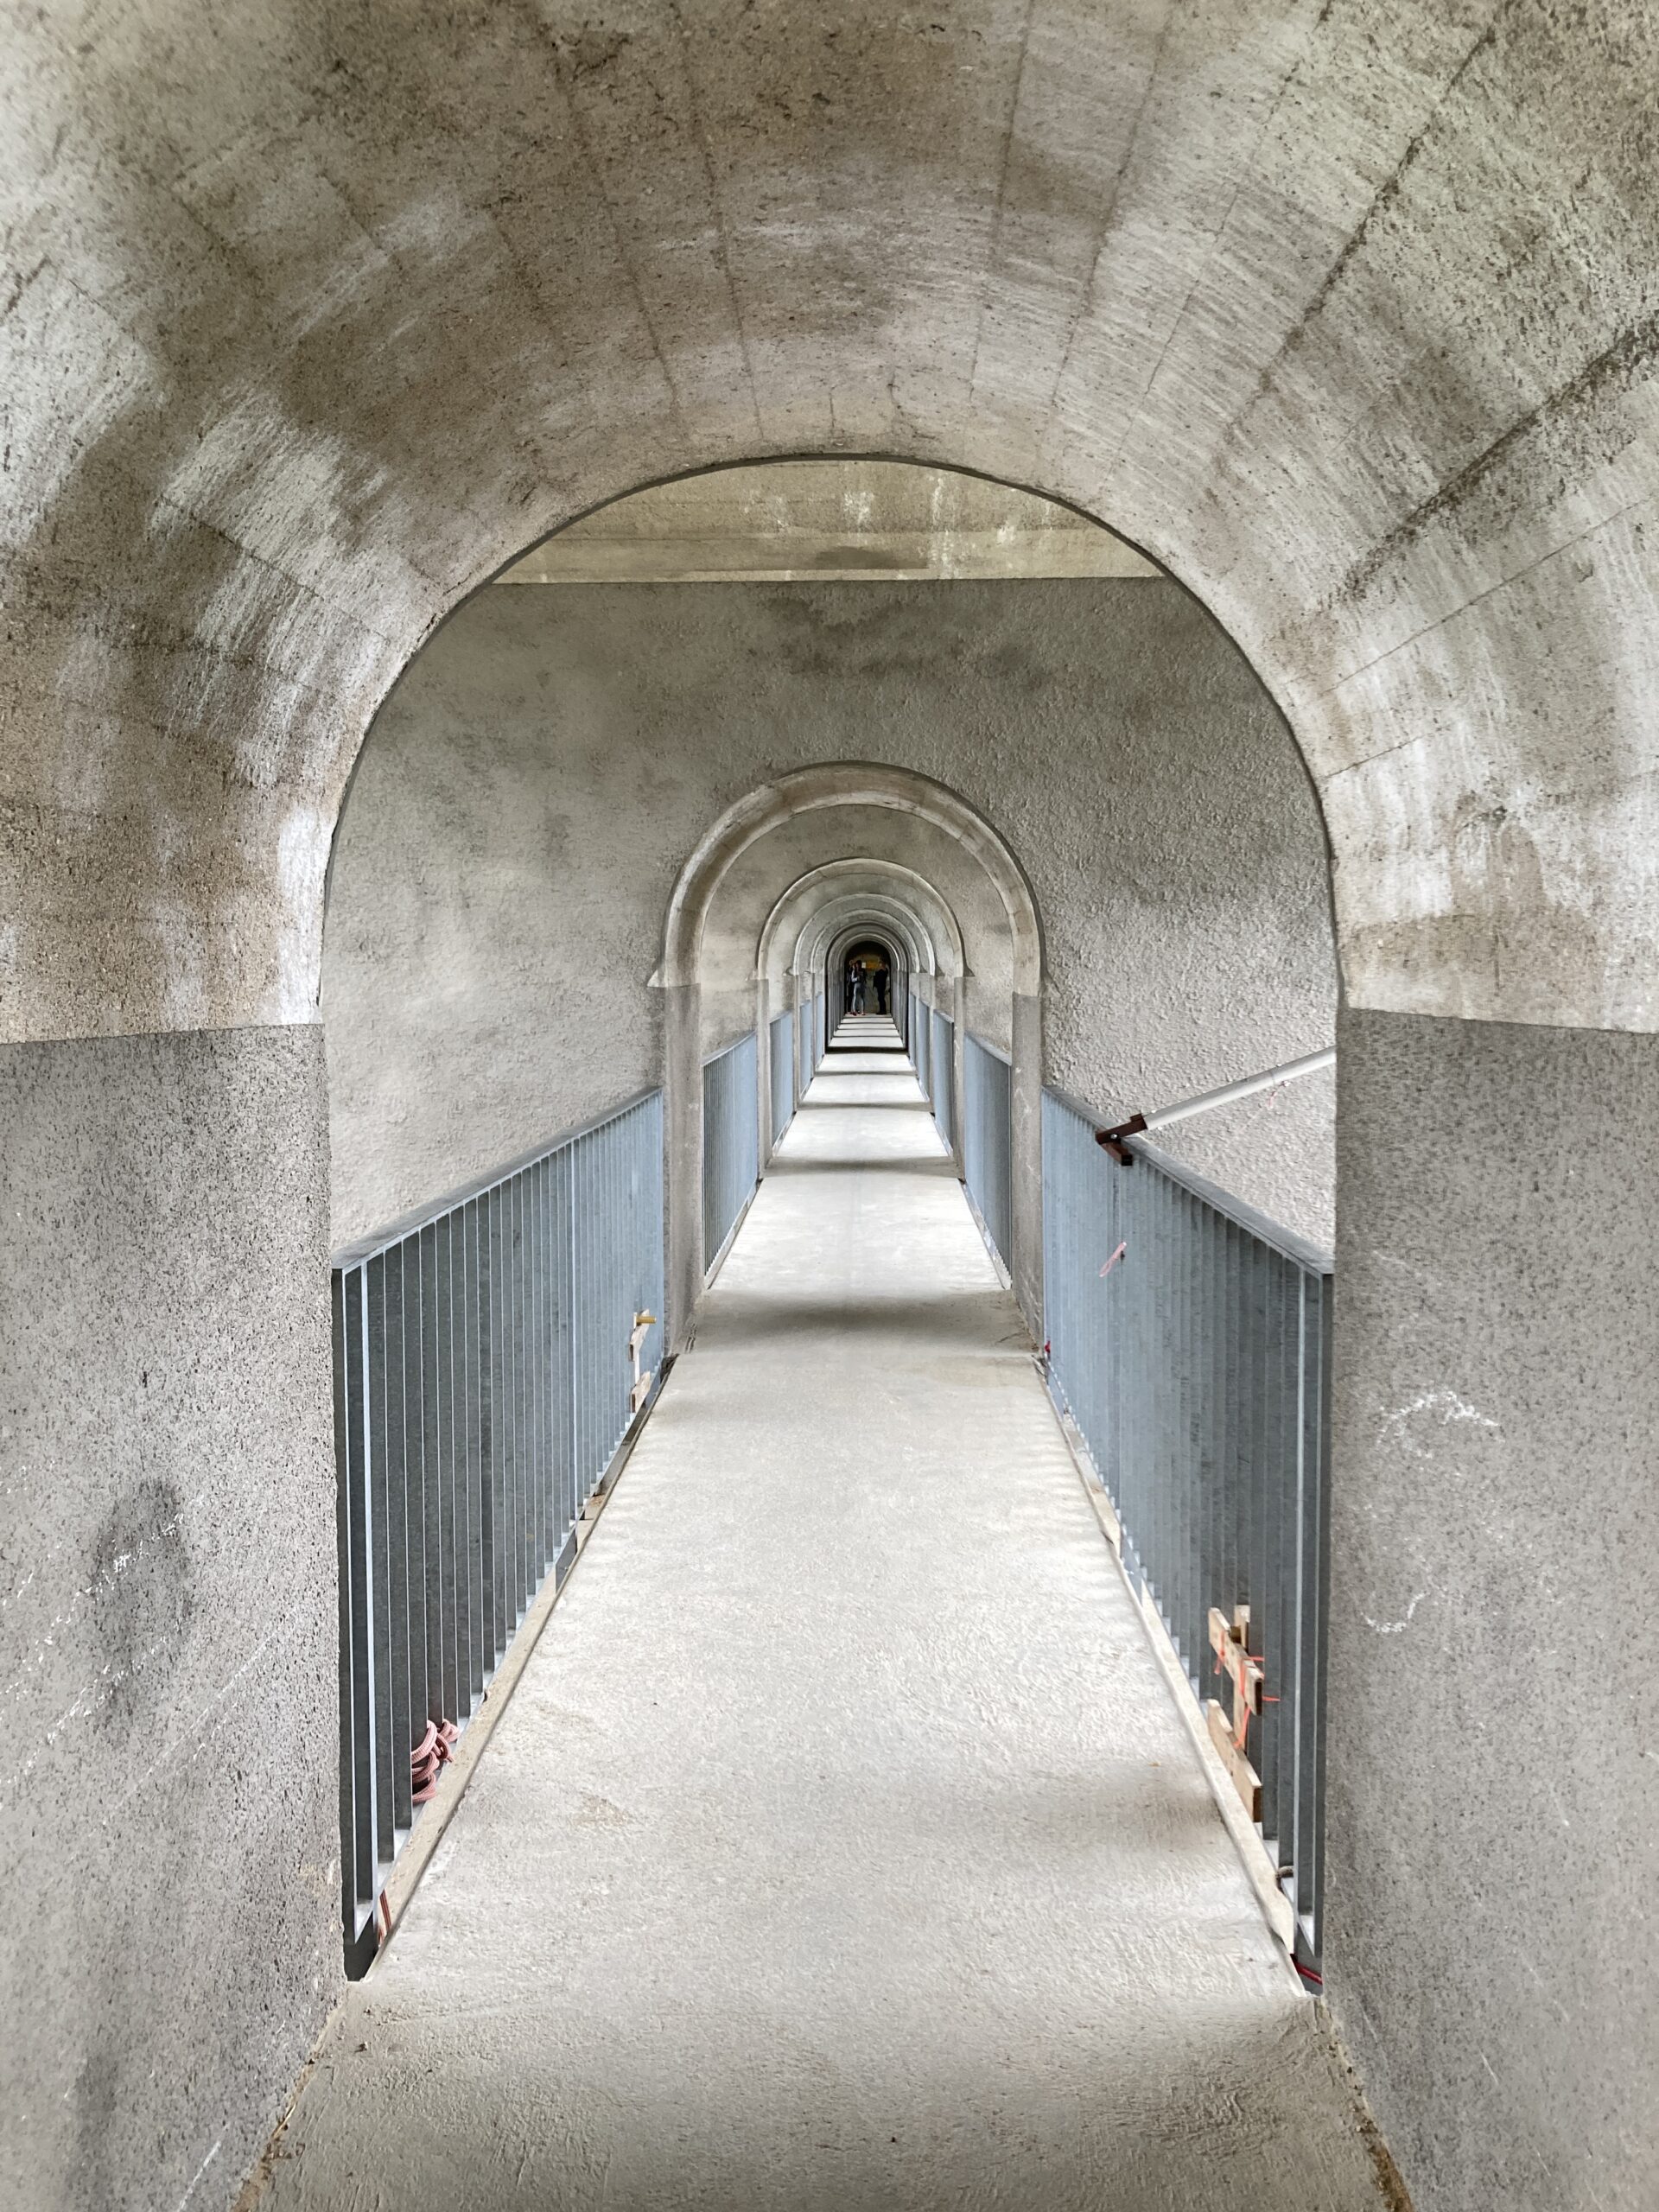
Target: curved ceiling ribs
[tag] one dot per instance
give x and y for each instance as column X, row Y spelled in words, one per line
column 1342, row 313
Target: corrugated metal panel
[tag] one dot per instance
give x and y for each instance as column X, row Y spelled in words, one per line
column 782, row 1074
column 731, row 1149
column 942, row 1053
column 988, row 1140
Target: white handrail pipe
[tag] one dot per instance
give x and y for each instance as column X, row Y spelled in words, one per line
column 1246, row 1087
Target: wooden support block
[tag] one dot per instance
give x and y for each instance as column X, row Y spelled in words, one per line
column 1228, row 1640
column 641, row 1391
column 1243, row 1776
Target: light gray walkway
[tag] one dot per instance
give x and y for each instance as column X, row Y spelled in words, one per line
column 841, row 1847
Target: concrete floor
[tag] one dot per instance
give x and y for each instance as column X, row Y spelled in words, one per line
column 841, row 1847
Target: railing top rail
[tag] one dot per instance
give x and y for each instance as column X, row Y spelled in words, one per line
column 1313, row 1258
column 986, row 1046
column 405, row 1225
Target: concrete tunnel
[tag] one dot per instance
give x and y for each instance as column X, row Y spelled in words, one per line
column 1105, row 1673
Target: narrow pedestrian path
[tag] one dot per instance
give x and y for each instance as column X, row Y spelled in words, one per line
column 841, row 1849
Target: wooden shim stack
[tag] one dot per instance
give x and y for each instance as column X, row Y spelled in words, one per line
column 1230, row 1641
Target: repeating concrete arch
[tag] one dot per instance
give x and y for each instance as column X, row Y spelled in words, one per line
column 297, row 368
column 888, row 930
column 886, row 916
column 787, row 941
column 309, row 328
column 861, row 930
column 839, row 791
column 847, row 783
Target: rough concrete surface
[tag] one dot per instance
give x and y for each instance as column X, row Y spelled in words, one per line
column 311, row 317
column 1493, row 1953
column 315, row 317
column 841, row 1847
column 169, row 1785
column 519, row 816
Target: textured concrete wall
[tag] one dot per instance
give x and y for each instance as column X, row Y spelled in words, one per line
column 504, row 865
column 168, row 1638
column 313, row 317
column 1494, row 1790
column 316, row 316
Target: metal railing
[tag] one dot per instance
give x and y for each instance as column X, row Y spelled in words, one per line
column 941, row 1060
column 1189, row 1339
column 489, row 1357
column 731, row 1142
column 988, row 1140
column 782, row 1074
column 921, row 1031
column 805, row 1030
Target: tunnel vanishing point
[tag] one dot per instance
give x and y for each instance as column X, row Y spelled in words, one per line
column 656, row 658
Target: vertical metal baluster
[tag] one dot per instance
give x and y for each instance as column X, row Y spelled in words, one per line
column 379, row 1584
column 578, row 1301
column 1236, row 1462
column 361, row 1534
column 349, row 1674
column 431, row 1494
column 402, row 1736
column 512, row 1510
column 1215, row 1384
column 559, row 1395
column 501, row 1417
column 1277, row 1642
column 587, row 1292
column 455, row 1703
column 523, row 1338
column 1318, row 1499
column 1256, row 1471
column 485, row 1369
column 1171, row 1203
column 478, row 1343
column 414, row 1479
column 461, row 1419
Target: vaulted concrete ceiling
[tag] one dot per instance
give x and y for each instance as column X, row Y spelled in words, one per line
column 316, row 315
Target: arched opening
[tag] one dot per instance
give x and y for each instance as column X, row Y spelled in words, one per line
column 865, row 977
column 314, row 336
column 717, row 919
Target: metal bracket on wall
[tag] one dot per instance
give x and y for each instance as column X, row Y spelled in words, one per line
column 1113, row 1139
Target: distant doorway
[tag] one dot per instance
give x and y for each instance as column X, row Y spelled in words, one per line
column 868, row 979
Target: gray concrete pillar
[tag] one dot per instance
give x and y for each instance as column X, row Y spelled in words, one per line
column 168, row 1637
column 1492, row 1947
